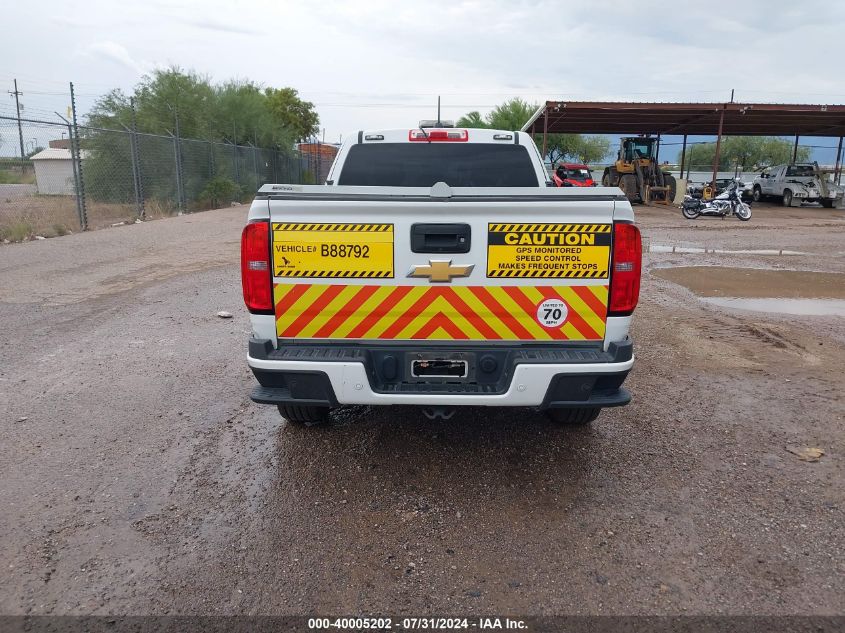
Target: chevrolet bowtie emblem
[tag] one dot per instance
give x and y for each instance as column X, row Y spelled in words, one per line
column 441, row 270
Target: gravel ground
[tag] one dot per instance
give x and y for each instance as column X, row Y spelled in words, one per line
column 138, row 477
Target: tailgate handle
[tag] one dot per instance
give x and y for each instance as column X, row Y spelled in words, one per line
column 440, row 238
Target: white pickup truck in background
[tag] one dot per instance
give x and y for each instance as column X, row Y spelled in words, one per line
column 800, row 182
column 436, row 268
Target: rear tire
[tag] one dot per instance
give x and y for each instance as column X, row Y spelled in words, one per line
column 669, row 181
column 690, row 214
column 827, row 204
column 628, row 185
column 299, row 414
column 573, row 417
column 787, row 198
column 757, row 195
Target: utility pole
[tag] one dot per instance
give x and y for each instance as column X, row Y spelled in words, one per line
column 17, row 93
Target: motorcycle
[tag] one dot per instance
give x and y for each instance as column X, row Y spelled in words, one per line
column 727, row 202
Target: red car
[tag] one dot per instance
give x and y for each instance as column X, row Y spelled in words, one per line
column 573, row 175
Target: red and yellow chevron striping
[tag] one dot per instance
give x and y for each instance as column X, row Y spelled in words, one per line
column 504, row 313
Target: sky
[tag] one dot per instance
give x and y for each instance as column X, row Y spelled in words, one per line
column 381, row 64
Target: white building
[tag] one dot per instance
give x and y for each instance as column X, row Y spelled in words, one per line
column 54, row 172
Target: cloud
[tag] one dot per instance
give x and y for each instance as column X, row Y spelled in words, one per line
column 64, row 20
column 113, row 52
column 222, row 27
column 382, row 63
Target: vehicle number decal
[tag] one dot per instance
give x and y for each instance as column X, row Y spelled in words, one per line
column 332, row 250
column 548, row 250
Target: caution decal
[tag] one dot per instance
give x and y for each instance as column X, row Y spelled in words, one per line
column 507, row 313
column 302, row 249
column 548, row 250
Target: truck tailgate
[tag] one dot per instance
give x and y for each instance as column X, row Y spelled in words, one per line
column 521, row 265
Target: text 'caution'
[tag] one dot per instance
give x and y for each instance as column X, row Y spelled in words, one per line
column 548, row 250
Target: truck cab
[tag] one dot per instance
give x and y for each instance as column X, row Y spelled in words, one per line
column 797, row 183
column 438, row 269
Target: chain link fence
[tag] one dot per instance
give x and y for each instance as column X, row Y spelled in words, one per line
column 56, row 178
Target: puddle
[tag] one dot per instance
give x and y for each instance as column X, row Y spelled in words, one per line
column 679, row 248
column 799, row 307
column 751, row 283
column 763, row 290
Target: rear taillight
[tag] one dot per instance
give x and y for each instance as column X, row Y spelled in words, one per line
column 626, row 267
column 256, row 275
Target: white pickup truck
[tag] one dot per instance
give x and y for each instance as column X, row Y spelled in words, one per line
column 437, row 268
column 800, row 182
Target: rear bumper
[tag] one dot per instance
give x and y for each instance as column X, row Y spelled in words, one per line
column 527, row 376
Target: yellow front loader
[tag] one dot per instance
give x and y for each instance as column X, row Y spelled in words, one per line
column 637, row 173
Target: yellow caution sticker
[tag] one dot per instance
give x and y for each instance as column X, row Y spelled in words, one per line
column 332, row 250
column 548, row 250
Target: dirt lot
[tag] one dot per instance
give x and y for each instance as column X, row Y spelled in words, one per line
column 139, row 478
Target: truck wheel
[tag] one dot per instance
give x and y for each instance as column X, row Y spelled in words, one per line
column 298, row 414
column 757, row 194
column 574, row 417
column 827, row 204
column 669, row 181
column 628, row 185
column 787, row 198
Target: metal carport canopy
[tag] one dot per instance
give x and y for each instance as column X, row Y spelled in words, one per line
column 737, row 119
column 689, row 119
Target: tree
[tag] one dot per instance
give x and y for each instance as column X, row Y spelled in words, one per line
column 237, row 112
column 593, row 149
column 514, row 113
column 584, row 149
column 291, row 112
column 511, row 115
column 751, row 152
column 558, row 146
column 472, row 119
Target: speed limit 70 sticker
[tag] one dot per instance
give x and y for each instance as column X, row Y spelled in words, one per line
column 302, row 249
column 552, row 313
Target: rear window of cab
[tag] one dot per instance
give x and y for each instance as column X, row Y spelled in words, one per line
column 424, row 164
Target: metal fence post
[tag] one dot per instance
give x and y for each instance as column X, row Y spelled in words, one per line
column 75, row 149
column 178, row 168
column 211, row 174
column 136, row 164
column 139, row 208
column 75, row 171
column 255, row 166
